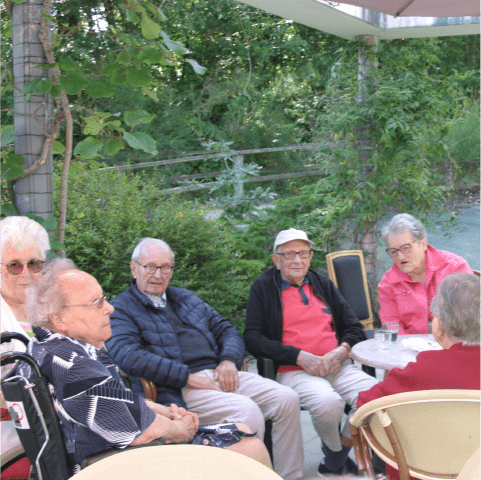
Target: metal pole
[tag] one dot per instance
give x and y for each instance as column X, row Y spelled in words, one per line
column 33, row 193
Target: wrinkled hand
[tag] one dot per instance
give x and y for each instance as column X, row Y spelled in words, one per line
column 176, row 413
column 227, row 376
column 202, row 383
column 181, row 431
column 318, row 366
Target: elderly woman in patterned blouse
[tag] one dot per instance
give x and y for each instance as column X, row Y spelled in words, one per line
column 71, row 321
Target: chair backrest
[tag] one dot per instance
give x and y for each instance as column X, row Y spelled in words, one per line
column 347, row 271
column 428, row 434
column 31, row 406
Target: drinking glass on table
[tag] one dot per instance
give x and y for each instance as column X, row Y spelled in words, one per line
column 379, row 338
column 391, row 331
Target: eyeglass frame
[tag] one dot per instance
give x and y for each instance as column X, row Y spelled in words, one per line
column 295, row 254
column 99, row 301
column 29, row 265
column 393, row 252
column 171, row 268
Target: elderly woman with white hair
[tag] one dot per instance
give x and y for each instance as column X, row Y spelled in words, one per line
column 24, row 246
column 456, row 328
column 407, row 289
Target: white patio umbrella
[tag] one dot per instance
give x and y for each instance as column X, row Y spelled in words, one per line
column 421, row 8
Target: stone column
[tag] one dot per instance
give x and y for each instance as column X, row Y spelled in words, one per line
column 33, row 193
column 367, row 66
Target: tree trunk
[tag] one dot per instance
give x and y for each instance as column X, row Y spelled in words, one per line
column 34, row 192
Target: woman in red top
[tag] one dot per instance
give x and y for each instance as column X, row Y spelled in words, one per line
column 407, row 289
column 455, row 311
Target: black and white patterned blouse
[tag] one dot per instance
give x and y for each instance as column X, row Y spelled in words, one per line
column 96, row 411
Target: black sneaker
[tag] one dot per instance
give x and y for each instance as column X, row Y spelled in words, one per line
column 349, row 467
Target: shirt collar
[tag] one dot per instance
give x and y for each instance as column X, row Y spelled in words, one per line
column 286, row 284
column 158, row 302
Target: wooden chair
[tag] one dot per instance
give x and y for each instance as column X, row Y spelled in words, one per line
column 428, row 434
column 347, row 271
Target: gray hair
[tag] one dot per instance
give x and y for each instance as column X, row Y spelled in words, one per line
column 456, row 304
column 136, row 254
column 22, row 233
column 46, row 297
column 401, row 223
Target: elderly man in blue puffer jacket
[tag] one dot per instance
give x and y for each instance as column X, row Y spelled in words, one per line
column 193, row 355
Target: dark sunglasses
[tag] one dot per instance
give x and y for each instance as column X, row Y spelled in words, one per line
column 15, row 268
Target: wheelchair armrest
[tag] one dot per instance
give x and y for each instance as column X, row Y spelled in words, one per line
column 6, row 337
column 266, row 368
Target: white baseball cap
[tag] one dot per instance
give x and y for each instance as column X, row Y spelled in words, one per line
column 285, row 236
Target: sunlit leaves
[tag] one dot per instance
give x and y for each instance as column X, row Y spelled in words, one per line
column 37, row 85
column 88, row 148
column 138, row 116
column 110, row 69
column 197, row 68
column 119, row 78
column 139, row 78
column 124, row 57
column 67, row 64
column 172, row 45
column 100, row 90
column 111, row 147
column 58, row 147
column 141, row 141
column 8, row 135
column 73, row 82
column 150, row 28
column 132, row 16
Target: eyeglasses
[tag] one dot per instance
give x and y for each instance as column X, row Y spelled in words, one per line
column 99, row 302
column 152, row 269
column 404, row 249
column 291, row 255
column 15, row 268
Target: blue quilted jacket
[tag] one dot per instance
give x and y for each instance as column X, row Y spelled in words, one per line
column 144, row 343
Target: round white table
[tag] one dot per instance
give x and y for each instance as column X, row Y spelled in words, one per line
column 177, row 462
column 396, row 355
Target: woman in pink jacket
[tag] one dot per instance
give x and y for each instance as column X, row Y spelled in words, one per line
column 407, row 289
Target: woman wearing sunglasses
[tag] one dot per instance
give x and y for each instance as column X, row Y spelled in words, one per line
column 24, row 245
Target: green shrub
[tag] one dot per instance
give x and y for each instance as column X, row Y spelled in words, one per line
column 109, row 213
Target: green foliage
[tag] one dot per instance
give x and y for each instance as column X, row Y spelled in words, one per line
column 110, row 212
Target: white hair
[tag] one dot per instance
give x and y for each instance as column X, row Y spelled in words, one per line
column 22, row 233
column 46, row 297
column 456, row 304
column 404, row 222
column 137, row 253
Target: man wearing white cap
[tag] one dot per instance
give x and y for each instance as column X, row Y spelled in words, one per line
column 299, row 319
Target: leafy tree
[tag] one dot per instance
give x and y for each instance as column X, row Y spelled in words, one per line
column 122, row 58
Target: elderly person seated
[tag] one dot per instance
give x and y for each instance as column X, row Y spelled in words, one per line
column 193, row 355
column 407, row 289
column 455, row 311
column 299, row 319
column 24, row 245
column 71, row 321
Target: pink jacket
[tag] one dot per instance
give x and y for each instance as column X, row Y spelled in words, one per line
column 407, row 302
